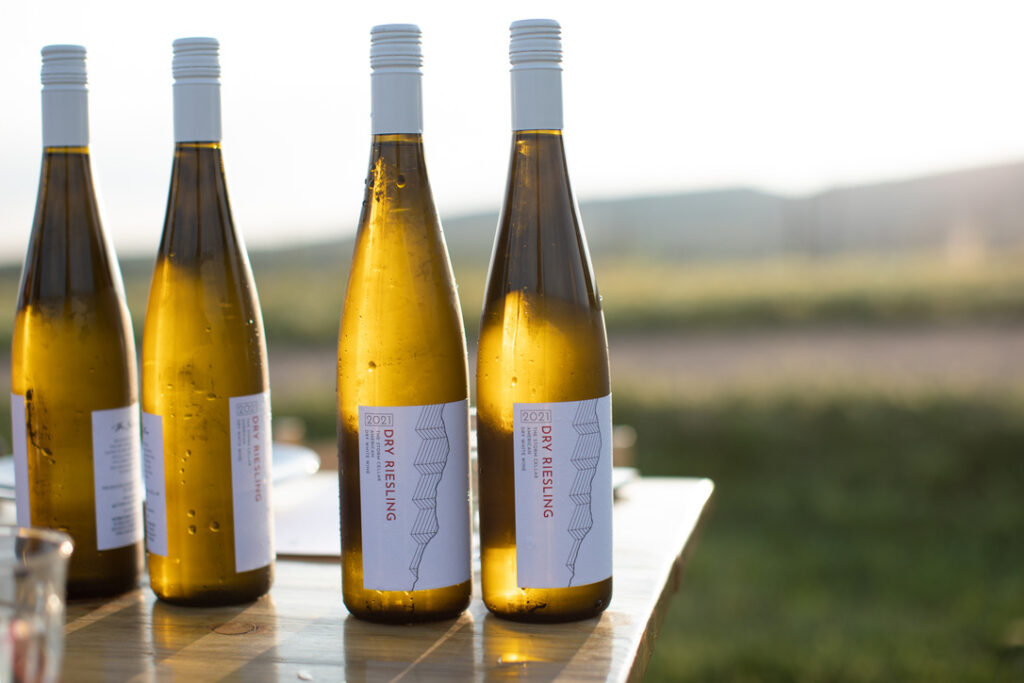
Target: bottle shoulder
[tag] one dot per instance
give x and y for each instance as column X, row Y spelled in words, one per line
column 68, row 255
column 540, row 248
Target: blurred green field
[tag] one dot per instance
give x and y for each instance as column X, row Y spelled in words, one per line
column 853, row 537
column 302, row 300
column 301, row 291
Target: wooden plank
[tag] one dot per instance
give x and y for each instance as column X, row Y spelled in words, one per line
column 301, row 630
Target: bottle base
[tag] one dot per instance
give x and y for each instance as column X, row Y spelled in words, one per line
column 242, row 589
column 413, row 607
column 539, row 616
column 381, row 617
column 212, row 598
column 85, row 589
column 551, row 605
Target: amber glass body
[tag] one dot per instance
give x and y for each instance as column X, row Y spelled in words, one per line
column 203, row 344
column 72, row 352
column 401, row 343
column 542, row 339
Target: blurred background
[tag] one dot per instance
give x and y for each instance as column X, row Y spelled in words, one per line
column 807, row 225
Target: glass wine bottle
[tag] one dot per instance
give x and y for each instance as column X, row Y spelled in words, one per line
column 403, row 419
column 205, row 391
column 543, row 396
column 74, row 395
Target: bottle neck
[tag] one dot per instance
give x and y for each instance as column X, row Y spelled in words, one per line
column 65, row 116
column 197, row 111
column 396, row 102
column 537, row 98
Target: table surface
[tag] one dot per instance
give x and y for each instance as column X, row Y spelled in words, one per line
column 302, row 632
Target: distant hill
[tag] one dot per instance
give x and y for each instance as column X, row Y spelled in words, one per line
column 972, row 209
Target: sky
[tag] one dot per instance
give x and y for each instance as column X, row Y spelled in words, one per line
column 788, row 96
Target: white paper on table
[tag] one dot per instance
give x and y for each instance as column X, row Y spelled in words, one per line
column 307, row 517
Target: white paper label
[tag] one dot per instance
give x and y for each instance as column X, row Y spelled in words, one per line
column 563, row 479
column 19, row 442
column 115, row 466
column 156, row 485
column 250, row 480
column 414, row 496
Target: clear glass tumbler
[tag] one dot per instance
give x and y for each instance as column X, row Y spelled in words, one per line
column 33, row 577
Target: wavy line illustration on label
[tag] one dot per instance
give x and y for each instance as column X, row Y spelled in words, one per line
column 431, row 459
column 585, row 458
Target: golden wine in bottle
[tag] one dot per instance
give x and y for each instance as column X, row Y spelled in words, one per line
column 205, row 393
column 403, row 409
column 74, row 396
column 543, row 396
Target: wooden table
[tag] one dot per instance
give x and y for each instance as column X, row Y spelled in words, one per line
column 302, row 632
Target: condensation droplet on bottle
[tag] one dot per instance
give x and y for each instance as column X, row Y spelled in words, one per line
column 401, row 180
column 214, row 526
column 513, row 382
column 371, row 366
column 211, row 396
column 182, row 470
column 191, row 529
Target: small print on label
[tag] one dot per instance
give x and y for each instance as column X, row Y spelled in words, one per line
column 250, row 478
column 115, row 461
column 156, row 484
column 563, row 492
column 19, row 442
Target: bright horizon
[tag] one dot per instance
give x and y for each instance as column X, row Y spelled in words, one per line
column 664, row 97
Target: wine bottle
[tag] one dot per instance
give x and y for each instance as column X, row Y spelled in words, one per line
column 74, row 395
column 403, row 409
column 543, row 396
column 205, row 392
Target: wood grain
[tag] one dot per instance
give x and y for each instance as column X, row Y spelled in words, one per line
column 302, row 632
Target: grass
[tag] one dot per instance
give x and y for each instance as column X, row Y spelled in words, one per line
column 852, row 538
column 301, row 291
column 302, row 301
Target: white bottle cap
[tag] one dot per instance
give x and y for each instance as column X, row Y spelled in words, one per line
column 396, row 79
column 196, row 69
column 535, row 52
column 65, row 97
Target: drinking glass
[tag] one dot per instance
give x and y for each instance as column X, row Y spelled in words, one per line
column 33, row 575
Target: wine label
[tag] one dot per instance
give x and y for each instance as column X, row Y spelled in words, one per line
column 156, row 485
column 115, row 466
column 414, row 496
column 19, row 440
column 562, row 454
column 250, row 480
